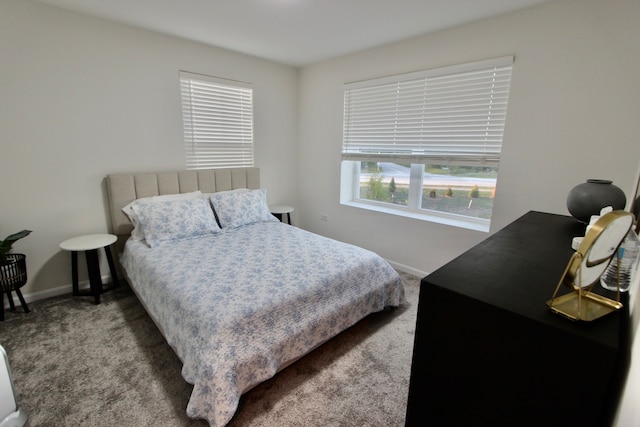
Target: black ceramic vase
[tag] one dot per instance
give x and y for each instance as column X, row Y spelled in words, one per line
column 587, row 199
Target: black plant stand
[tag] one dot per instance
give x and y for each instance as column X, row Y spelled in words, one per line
column 13, row 276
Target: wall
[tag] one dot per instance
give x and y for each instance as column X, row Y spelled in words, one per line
column 572, row 115
column 82, row 97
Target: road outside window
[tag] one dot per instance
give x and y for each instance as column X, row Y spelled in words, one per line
column 460, row 190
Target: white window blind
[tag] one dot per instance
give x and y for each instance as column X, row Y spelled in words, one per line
column 217, row 117
column 450, row 115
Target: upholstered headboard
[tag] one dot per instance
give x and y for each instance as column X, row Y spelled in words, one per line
column 123, row 188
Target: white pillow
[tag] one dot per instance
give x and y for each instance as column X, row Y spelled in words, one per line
column 235, row 209
column 175, row 220
column 137, row 233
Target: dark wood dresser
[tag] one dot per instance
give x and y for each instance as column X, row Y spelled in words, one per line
column 489, row 352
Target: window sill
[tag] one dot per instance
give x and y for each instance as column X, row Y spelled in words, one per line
column 450, row 220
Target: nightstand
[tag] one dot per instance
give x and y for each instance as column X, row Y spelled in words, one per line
column 279, row 211
column 89, row 244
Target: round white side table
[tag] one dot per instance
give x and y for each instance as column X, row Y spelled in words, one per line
column 280, row 210
column 89, row 244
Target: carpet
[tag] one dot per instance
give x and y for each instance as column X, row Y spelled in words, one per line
column 78, row 364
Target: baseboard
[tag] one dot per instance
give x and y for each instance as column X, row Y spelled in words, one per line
column 49, row 293
column 407, row 269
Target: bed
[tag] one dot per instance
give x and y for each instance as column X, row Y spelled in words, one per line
column 237, row 294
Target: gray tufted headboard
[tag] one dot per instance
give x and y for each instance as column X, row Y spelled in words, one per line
column 123, row 188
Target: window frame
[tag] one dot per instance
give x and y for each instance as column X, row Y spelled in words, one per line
column 371, row 143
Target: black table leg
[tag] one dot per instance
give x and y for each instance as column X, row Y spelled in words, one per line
column 93, row 268
column 281, row 217
column 95, row 281
column 112, row 267
column 74, row 272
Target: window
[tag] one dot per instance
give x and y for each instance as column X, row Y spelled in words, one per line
column 217, row 116
column 427, row 144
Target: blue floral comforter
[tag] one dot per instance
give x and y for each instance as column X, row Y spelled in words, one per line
column 237, row 306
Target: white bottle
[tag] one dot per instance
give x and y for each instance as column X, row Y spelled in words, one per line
column 623, row 265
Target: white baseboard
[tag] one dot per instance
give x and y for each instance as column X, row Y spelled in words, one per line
column 407, row 269
column 48, row 293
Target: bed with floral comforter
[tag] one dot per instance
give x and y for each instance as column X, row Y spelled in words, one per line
column 244, row 296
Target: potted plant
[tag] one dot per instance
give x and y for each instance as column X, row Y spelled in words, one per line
column 13, row 272
column 7, row 243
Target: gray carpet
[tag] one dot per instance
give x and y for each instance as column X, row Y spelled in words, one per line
column 77, row 364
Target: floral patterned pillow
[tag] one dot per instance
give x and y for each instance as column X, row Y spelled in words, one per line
column 137, row 233
column 176, row 220
column 235, row 209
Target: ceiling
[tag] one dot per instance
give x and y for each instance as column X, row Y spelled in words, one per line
column 294, row 32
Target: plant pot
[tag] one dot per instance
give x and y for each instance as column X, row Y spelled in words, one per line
column 13, row 276
column 13, row 272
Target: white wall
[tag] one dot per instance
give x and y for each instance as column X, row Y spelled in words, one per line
column 564, row 124
column 82, row 97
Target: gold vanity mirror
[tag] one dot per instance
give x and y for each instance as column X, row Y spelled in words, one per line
column 586, row 266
